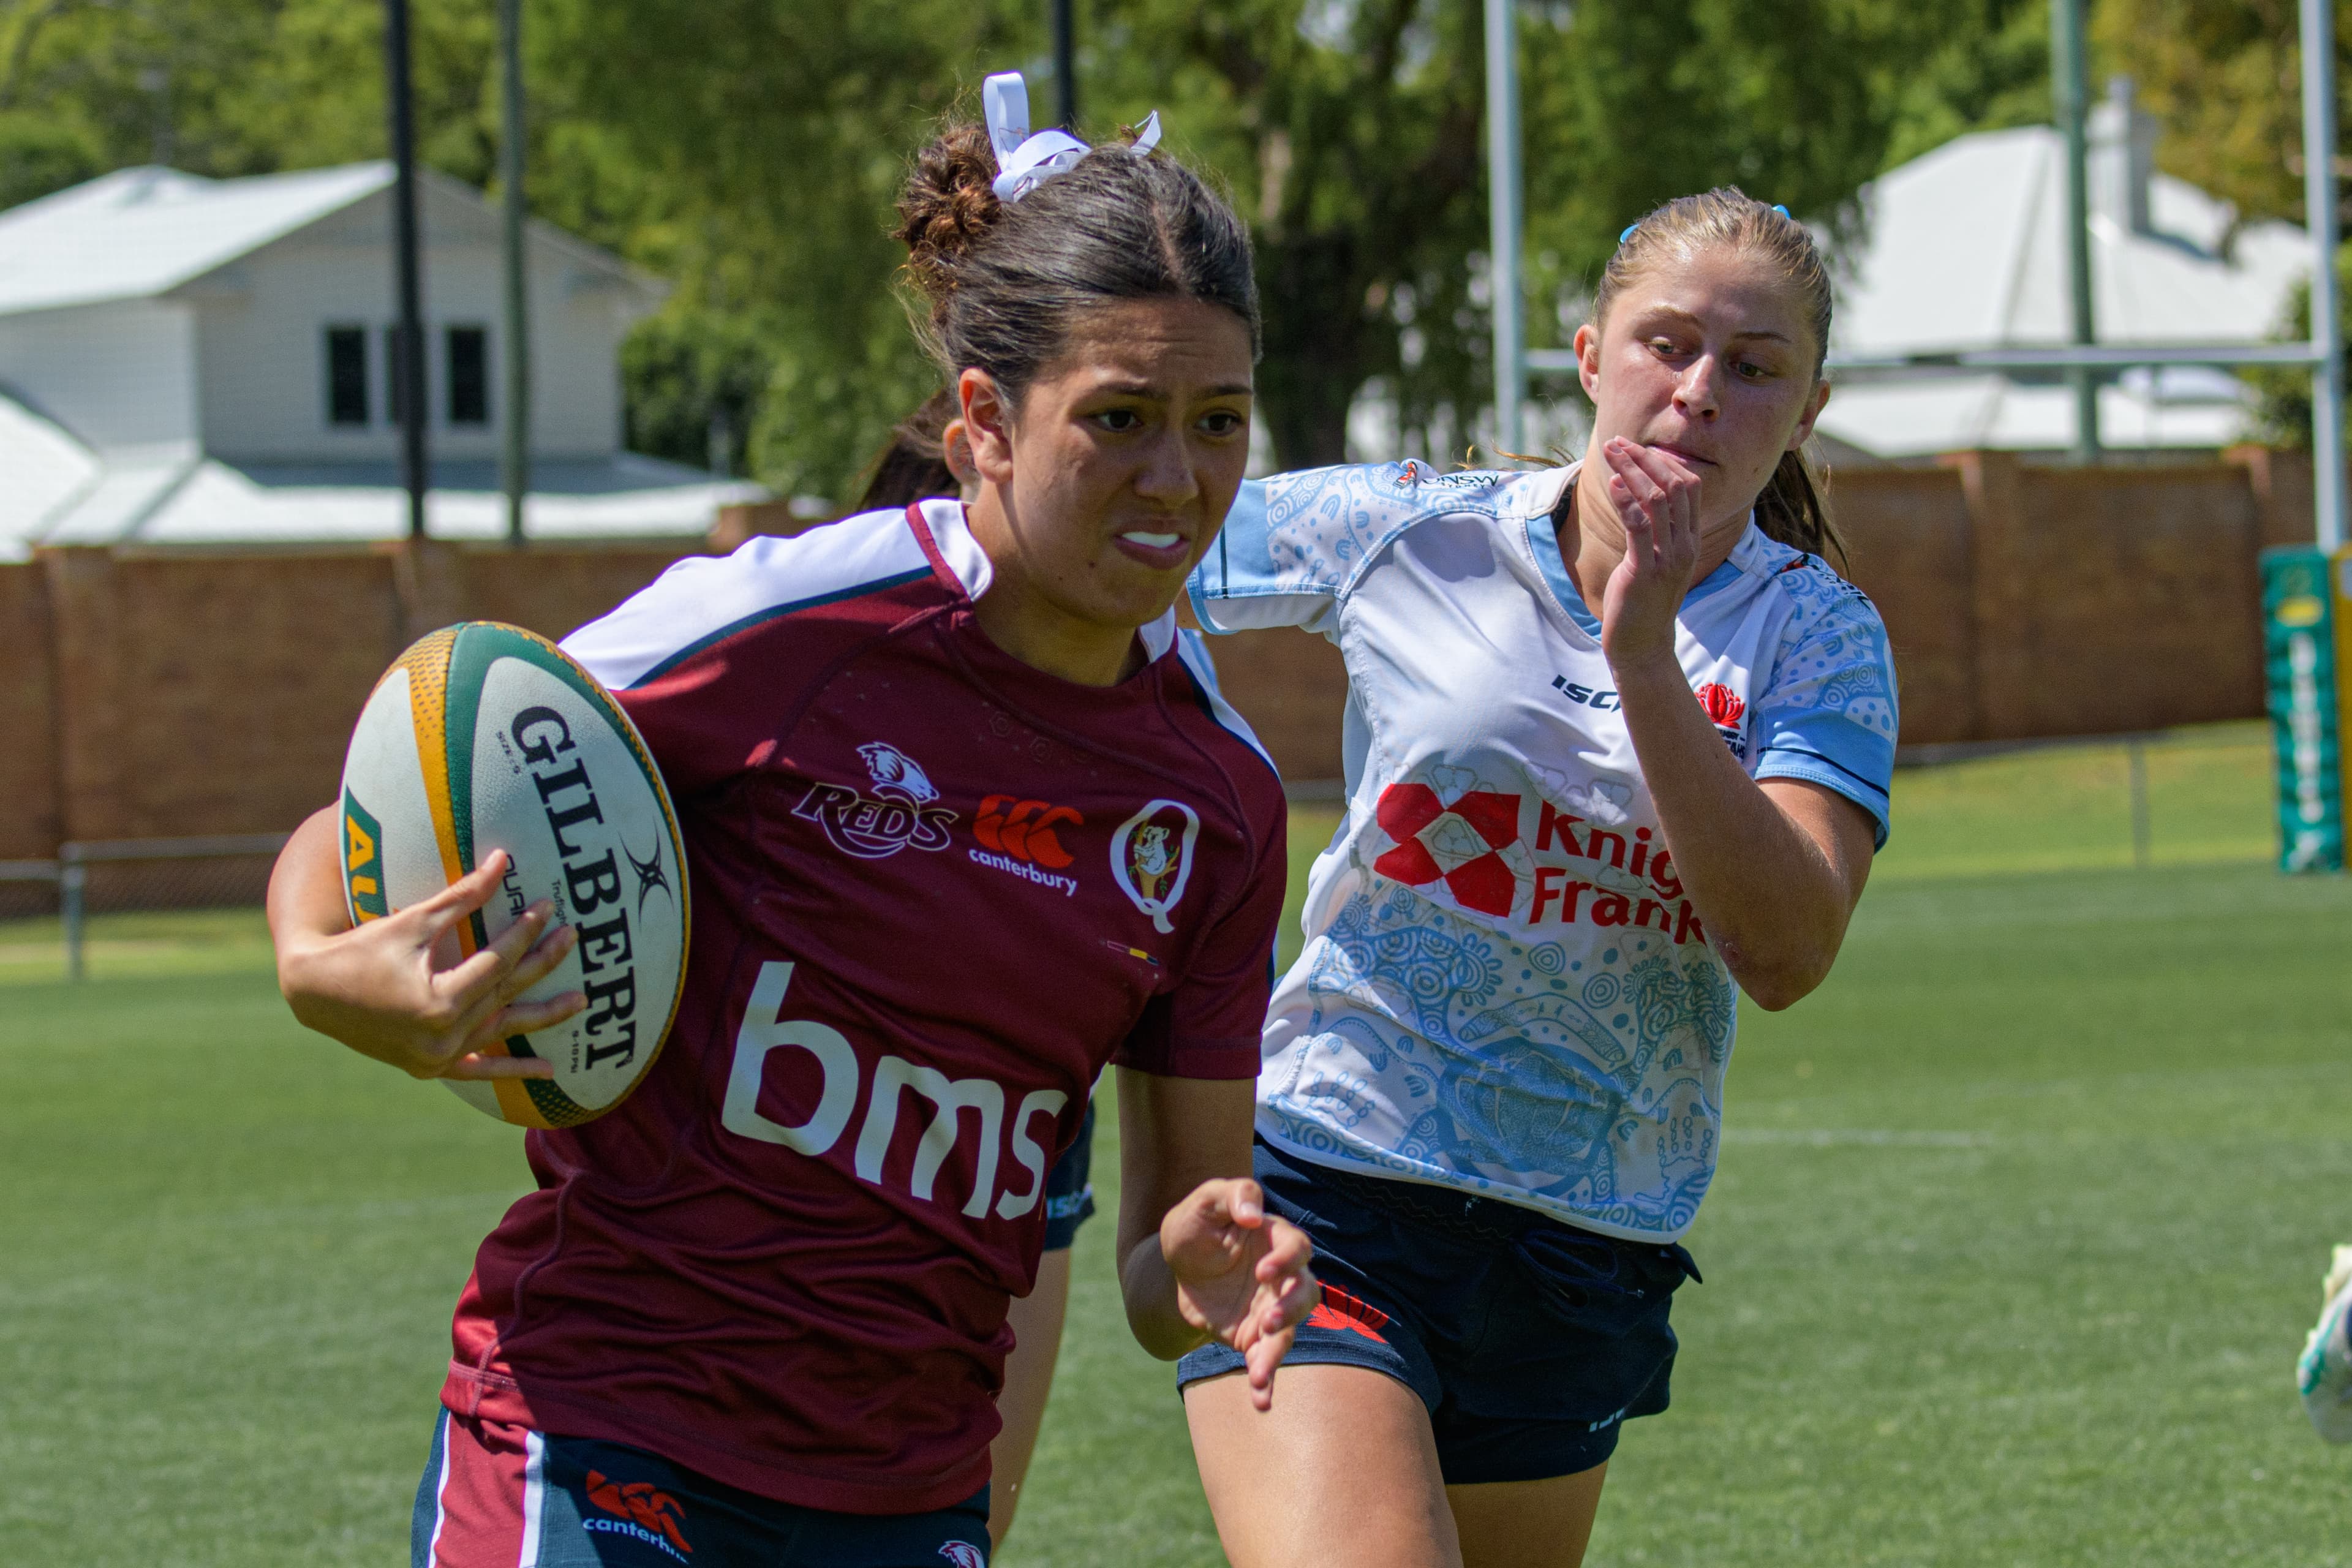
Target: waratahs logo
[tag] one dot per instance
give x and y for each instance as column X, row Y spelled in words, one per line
column 1724, row 710
column 899, row 813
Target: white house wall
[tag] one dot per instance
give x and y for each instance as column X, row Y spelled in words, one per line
column 116, row 376
column 264, row 363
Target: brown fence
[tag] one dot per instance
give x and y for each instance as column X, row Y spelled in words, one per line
column 150, row 695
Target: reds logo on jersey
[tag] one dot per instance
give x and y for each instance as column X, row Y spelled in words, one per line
column 897, row 813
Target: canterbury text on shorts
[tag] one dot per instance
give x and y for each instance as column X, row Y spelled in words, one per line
column 1070, row 1188
column 495, row 1496
column 1531, row 1342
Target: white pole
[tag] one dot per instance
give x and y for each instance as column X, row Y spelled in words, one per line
column 2319, row 208
column 514, row 448
column 1503, row 217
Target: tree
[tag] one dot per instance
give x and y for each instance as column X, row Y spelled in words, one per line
column 1352, row 132
column 766, row 144
column 750, row 150
column 2223, row 79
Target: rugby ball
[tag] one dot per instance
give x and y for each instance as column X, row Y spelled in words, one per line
column 485, row 737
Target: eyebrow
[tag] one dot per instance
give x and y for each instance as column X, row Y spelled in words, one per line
column 1145, row 389
column 1682, row 315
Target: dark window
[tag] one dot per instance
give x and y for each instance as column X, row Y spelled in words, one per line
column 469, row 375
column 347, row 377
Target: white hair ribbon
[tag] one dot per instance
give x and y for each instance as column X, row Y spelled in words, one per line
column 1025, row 162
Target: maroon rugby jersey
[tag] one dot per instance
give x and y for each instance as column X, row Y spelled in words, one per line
column 934, row 890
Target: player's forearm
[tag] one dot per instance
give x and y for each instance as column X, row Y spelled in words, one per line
column 1772, row 903
column 1148, row 1287
column 305, row 900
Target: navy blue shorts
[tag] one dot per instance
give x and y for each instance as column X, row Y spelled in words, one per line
column 496, row 1495
column 1069, row 1190
column 1531, row 1341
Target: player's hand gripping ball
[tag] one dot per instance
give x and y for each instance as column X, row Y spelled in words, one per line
column 485, row 737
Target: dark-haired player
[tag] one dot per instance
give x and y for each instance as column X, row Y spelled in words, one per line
column 928, row 458
column 756, row 1315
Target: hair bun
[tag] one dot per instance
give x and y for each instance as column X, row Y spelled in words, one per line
column 948, row 203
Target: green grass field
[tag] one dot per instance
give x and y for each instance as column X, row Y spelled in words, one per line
column 2019, row 1227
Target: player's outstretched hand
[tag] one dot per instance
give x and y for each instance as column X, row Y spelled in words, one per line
column 1241, row 1274
column 392, row 989
column 1657, row 498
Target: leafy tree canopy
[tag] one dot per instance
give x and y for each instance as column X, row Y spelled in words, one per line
column 750, row 150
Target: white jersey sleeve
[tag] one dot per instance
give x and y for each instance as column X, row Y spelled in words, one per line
column 1292, row 543
column 1829, row 715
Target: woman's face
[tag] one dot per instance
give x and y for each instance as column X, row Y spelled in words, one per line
column 1118, row 464
column 1711, row 360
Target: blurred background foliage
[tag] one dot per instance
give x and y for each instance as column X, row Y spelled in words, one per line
column 748, row 151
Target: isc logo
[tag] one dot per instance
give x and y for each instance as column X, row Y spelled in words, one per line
column 765, row 1031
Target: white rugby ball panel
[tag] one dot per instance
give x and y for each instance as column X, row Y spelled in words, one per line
column 387, row 872
column 485, row 737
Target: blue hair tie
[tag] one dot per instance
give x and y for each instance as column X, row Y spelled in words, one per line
column 1782, row 210
column 1628, row 233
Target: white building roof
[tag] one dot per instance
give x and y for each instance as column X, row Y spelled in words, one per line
column 1967, row 250
column 173, row 495
column 139, row 232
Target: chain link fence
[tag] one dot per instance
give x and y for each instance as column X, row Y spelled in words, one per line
column 108, row 875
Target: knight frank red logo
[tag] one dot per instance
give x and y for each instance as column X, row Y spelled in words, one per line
column 1458, row 838
column 1724, row 710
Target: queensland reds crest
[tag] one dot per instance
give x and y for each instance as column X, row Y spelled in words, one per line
column 899, row 813
column 963, row 1554
column 1152, row 858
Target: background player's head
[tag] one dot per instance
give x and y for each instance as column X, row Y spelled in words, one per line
column 927, row 456
column 1706, row 336
column 1100, row 334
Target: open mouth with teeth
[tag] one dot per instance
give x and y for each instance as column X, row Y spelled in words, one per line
column 1153, row 541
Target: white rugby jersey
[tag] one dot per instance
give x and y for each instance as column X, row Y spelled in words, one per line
column 1504, row 988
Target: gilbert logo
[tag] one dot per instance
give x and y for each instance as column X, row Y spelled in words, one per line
column 1724, row 710
column 899, row 813
column 1152, row 858
column 639, row 1511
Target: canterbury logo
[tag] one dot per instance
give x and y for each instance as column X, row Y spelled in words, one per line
column 1025, row 829
column 653, row 1512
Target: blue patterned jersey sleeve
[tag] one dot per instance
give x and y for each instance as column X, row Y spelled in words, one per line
column 1829, row 715
column 1293, row 543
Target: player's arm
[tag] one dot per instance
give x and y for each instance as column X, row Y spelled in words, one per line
column 391, row 989
column 1773, row 868
column 1200, row 1259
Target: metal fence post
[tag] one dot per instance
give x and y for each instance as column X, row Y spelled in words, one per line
column 71, row 877
column 2142, row 834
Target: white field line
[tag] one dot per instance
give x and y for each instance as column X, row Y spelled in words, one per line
column 1861, row 1137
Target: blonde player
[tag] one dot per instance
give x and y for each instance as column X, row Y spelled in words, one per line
column 1618, row 740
